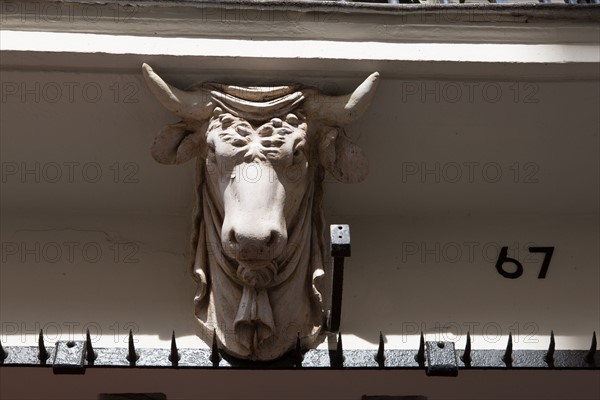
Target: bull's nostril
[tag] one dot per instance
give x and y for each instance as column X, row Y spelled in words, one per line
column 232, row 238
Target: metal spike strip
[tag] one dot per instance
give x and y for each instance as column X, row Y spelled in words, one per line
column 132, row 355
column 3, row 354
column 215, row 357
column 43, row 354
column 549, row 358
column 420, row 357
column 298, row 357
column 314, row 358
column 380, row 356
column 590, row 356
column 466, row 357
column 507, row 357
column 90, row 354
column 174, row 356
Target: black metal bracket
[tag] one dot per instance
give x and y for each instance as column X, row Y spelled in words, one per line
column 69, row 358
column 340, row 249
column 441, row 359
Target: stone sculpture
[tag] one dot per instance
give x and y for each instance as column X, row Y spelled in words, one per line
column 257, row 242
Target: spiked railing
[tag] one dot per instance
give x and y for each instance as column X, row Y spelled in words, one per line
column 437, row 358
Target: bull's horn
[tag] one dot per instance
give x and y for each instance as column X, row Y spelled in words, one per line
column 340, row 110
column 192, row 105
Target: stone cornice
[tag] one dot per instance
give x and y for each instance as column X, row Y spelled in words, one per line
column 307, row 39
column 312, row 20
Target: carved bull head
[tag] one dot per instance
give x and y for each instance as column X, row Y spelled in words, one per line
column 257, row 241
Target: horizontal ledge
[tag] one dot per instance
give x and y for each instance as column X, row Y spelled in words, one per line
column 81, row 43
column 27, row 356
column 552, row 12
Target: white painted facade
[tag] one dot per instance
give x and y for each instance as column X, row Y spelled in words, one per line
column 484, row 133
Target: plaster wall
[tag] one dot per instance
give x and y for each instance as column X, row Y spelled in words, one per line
column 95, row 233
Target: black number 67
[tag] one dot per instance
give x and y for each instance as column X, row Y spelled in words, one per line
column 503, row 259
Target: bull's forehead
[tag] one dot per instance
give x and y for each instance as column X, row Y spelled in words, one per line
column 275, row 138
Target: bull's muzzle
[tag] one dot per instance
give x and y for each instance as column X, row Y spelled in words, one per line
column 254, row 231
column 256, row 247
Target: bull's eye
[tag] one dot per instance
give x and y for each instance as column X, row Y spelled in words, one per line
column 298, row 154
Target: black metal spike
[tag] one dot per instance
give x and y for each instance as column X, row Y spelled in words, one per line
column 90, row 354
column 549, row 358
column 339, row 349
column 3, row 354
column 380, row 356
column 507, row 357
column 337, row 361
column 42, row 352
column 215, row 357
column 174, row 356
column 466, row 357
column 420, row 357
column 298, row 356
column 589, row 357
column 132, row 355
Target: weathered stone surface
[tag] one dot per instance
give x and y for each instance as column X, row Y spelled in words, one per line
column 257, row 248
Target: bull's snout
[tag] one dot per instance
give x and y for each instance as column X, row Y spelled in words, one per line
column 254, row 228
column 255, row 245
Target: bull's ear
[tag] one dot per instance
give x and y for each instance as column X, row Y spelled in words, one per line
column 176, row 144
column 341, row 157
